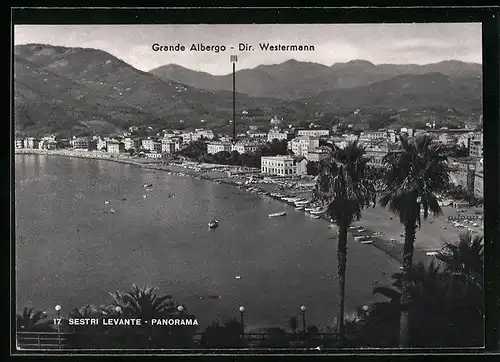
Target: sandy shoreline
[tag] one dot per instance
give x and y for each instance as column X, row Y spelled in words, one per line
column 430, row 237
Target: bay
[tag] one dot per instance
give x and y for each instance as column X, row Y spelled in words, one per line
column 72, row 250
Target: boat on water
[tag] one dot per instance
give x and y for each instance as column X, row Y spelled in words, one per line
column 367, row 242
column 148, row 185
column 310, row 209
column 112, row 211
column 283, row 213
column 106, row 202
column 315, row 216
column 213, row 224
column 299, row 208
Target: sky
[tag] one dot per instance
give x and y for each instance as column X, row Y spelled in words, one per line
column 416, row 43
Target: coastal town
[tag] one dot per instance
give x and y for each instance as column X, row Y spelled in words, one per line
column 305, row 148
column 313, row 200
column 288, row 171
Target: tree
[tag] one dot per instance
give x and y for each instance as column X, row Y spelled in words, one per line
column 465, row 260
column 343, row 188
column 312, row 168
column 33, row 321
column 414, row 174
column 143, row 303
column 194, row 149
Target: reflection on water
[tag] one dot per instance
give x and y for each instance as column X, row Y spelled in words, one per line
column 75, row 250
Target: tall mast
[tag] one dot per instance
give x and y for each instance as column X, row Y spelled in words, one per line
column 234, row 101
column 234, row 59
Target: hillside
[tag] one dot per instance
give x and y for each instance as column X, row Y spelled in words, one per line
column 417, row 92
column 58, row 88
column 293, row 79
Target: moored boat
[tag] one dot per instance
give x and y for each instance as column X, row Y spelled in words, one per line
column 213, row 224
column 367, row 242
column 283, row 213
column 299, row 208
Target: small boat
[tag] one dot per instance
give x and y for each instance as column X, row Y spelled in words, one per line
column 431, row 253
column 213, row 224
column 124, row 199
column 299, row 208
column 315, row 216
column 148, row 185
column 283, row 213
column 144, row 196
column 112, row 211
column 106, row 202
column 367, row 242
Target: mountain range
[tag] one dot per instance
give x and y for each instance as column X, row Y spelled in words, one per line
column 66, row 89
column 293, row 79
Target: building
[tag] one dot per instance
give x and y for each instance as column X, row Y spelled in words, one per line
column 376, row 154
column 447, row 139
column 152, row 154
column 245, row 147
column 101, row 144
column 301, row 146
column 313, row 132
column 148, row 144
column 462, row 172
column 317, row 155
column 463, row 139
column 476, row 145
column 216, row 147
column 115, row 147
column 205, row 133
column 84, row 143
column 301, row 163
column 278, row 134
column 340, row 142
column 167, row 146
column 257, row 134
column 278, row 165
column 478, row 180
column 350, row 137
column 132, row 143
column 31, row 142
column 19, row 143
column 372, row 135
column 275, row 121
column 393, row 137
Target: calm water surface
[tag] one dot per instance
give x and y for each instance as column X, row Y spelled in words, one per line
column 71, row 250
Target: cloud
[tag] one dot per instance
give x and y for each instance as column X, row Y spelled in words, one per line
column 378, row 43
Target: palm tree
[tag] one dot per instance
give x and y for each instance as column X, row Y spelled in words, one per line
column 465, row 260
column 30, row 320
column 143, row 303
column 414, row 174
column 342, row 186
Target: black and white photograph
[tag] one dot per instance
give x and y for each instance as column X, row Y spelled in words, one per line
column 248, row 186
